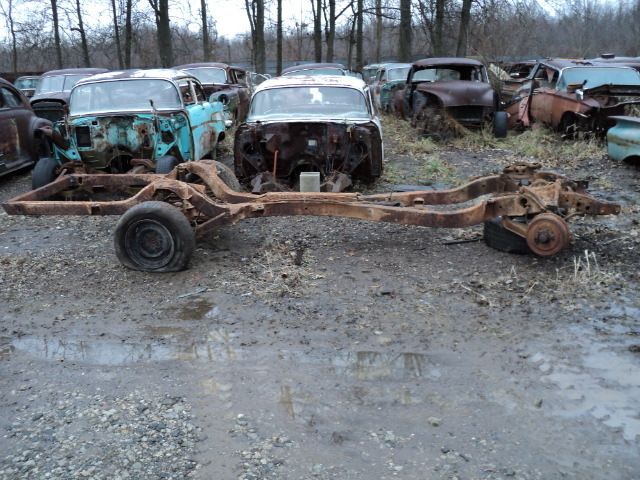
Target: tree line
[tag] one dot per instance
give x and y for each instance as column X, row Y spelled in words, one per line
column 43, row 35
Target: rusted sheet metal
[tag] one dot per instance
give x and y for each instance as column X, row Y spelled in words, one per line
column 519, row 191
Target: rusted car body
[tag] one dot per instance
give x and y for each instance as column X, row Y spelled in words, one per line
column 324, row 124
column 228, row 83
column 27, row 84
column 134, row 119
column 23, row 138
column 162, row 215
column 389, row 78
column 518, row 75
column 443, row 92
column 315, row 69
column 575, row 96
column 623, row 139
column 53, row 90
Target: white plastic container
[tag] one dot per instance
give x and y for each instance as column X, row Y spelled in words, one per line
column 310, row 181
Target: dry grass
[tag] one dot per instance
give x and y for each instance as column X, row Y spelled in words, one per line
column 540, row 144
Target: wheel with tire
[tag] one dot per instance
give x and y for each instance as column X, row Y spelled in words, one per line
column 154, row 237
column 500, row 124
column 227, row 176
column 165, row 164
column 498, row 237
column 45, row 172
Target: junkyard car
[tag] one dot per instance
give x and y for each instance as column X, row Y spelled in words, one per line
column 623, row 139
column 134, row 120
column 370, row 71
column 315, row 69
column 22, row 133
column 575, row 96
column 518, row 74
column 389, row 78
column 27, row 85
column 441, row 93
column 325, row 124
column 54, row 88
column 228, row 83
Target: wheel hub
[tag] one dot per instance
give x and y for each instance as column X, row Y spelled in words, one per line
column 547, row 234
column 150, row 243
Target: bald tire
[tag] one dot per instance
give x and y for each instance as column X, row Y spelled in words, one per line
column 154, row 237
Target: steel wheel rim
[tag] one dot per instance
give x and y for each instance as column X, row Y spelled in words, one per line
column 149, row 243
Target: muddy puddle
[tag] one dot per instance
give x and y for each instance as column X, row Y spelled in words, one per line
column 603, row 381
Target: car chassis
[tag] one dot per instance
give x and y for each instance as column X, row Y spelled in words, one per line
column 530, row 204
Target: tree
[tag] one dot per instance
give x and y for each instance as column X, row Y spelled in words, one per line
column 83, row 36
column 116, row 31
column 255, row 13
column 438, row 48
column 128, row 34
column 279, row 39
column 56, row 32
column 404, row 47
column 205, row 32
column 359, row 34
column 316, row 9
column 163, row 31
column 8, row 15
column 463, row 34
column 378, row 30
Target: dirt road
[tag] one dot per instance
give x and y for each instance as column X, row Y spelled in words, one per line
column 390, row 352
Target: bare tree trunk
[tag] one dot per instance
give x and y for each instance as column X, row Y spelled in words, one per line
column 8, row 15
column 378, row 30
column 352, row 41
column 316, row 8
column 331, row 30
column 439, row 27
column 163, row 25
column 465, row 18
column 116, row 31
column 404, row 47
column 260, row 46
column 128, row 34
column 56, row 32
column 359, row 35
column 205, row 32
column 279, row 40
column 83, row 36
column 250, row 6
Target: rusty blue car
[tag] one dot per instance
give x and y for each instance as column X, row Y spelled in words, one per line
column 133, row 121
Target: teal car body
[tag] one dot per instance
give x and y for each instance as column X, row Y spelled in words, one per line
column 623, row 139
column 121, row 120
column 389, row 78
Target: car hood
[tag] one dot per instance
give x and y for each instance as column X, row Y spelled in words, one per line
column 460, row 92
column 56, row 96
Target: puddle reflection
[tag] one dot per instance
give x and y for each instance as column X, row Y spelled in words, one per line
column 214, row 347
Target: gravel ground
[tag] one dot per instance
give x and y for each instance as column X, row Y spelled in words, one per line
column 387, row 352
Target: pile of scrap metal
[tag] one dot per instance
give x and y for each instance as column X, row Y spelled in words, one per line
column 161, row 215
column 574, row 96
column 324, row 124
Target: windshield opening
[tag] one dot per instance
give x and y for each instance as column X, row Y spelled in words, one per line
column 593, row 77
column 124, row 95
column 398, row 73
column 449, row 73
column 58, row 83
column 290, row 102
column 27, row 83
column 208, row 74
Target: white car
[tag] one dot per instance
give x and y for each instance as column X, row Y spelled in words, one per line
column 297, row 124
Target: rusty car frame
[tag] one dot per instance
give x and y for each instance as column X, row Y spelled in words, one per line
column 323, row 124
column 136, row 120
column 23, row 135
column 575, row 96
column 161, row 216
column 442, row 93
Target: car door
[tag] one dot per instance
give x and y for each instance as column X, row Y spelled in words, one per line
column 202, row 118
column 544, row 94
column 15, row 133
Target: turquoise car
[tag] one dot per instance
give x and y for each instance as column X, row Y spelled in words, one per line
column 134, row 120
column 623, row 139
column 390, row 77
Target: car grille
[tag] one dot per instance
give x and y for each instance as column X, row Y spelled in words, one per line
column 467, row 114
column 83, row 137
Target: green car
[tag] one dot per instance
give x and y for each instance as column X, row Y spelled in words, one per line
column 134, row 120
column 389, row 78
